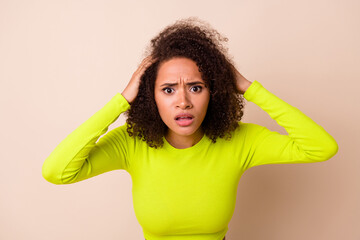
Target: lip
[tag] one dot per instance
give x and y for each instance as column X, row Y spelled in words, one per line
column 185, row 121
column 184, row 115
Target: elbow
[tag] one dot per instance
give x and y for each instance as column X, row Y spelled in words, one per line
column 322, row 152
column 334, row 149
column 330, row 149
column 50, row 175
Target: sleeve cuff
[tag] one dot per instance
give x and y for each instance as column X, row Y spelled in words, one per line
column 124, row 104
column 250, row 93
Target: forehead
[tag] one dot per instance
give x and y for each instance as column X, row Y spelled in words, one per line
column 178, row 68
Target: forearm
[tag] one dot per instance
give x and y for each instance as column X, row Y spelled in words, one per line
column 306, row 141
column 66, row 161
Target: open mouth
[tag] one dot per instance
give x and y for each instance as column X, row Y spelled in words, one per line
column 184, row 121
column 183, row 118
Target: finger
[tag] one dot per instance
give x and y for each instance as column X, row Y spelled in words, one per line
column 147, row 62
column 147, row 59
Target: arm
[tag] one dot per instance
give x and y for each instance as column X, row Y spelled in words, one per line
column 306, row 140
column 79, row 157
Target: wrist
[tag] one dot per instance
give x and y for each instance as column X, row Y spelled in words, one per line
column 245, row 85
column 124, row 94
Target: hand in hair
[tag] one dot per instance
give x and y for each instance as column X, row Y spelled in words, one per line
column 242, row 83
column 131, row 90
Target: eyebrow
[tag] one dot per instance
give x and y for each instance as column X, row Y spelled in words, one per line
column 174, row 84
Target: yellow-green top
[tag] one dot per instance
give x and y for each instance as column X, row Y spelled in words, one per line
column 189, row 193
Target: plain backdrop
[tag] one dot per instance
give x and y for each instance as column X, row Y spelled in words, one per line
column 61, row 61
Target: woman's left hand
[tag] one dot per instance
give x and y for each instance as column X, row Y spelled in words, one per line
column 242, row 83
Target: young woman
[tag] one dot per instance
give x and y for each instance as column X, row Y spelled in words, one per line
column 183, row 142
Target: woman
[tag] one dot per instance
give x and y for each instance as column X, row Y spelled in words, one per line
column 183, row 142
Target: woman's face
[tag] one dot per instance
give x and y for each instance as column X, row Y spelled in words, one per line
column 179, row 89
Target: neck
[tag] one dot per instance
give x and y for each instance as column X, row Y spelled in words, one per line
column 181, row 142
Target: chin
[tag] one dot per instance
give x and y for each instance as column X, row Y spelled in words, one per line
column 184, row 131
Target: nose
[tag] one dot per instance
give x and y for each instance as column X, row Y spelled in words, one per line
column 184, row 101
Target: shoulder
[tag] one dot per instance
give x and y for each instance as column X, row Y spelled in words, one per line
column 247, row 131
column 119, row 135
column 132, row 142
column 122, row 131
column 248, row 128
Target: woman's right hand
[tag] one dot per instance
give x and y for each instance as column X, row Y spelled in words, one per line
column 131, row 90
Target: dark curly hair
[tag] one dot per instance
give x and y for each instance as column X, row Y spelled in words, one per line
column 194, row 39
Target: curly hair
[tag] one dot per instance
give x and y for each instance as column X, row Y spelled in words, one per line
column 197, row 40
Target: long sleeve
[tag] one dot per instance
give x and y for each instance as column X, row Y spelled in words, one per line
column 79, row 157
column 306, row 140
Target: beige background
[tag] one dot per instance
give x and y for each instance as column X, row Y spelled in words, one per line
column 61, row 61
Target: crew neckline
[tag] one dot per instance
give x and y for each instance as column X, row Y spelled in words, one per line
column 196, row 147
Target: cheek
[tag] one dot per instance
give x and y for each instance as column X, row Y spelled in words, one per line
column 205, row 103
column 160, row 105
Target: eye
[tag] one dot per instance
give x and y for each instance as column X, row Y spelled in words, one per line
column 197, row 88
column 167, row 90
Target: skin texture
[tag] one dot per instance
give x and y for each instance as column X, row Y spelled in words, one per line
column 181, row 98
